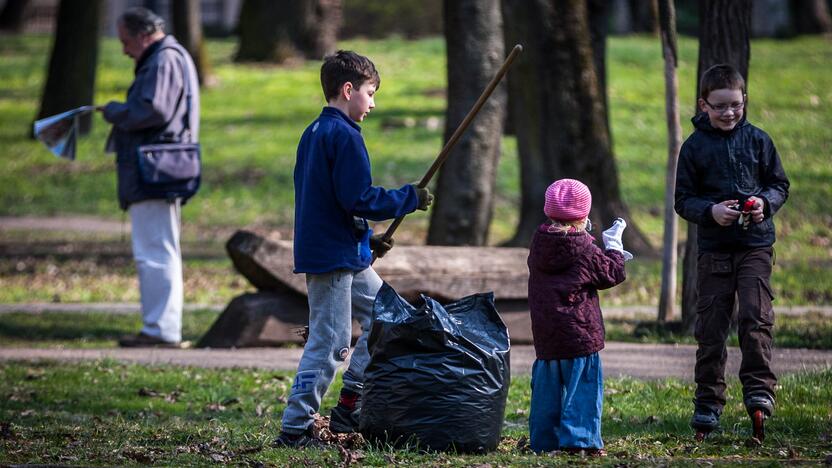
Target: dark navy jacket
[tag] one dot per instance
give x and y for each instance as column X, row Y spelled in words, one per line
column 334, row 194
column 565, row 273
column 715, row 166
column 154, row 111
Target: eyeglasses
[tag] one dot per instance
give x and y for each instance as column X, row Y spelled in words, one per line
column 723, row 108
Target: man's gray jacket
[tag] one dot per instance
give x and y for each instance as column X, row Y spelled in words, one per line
column 154, row 112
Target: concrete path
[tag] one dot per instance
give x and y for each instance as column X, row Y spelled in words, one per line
column 621, row 312
column 643, row 361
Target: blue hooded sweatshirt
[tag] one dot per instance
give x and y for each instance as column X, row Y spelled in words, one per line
column 334, row 197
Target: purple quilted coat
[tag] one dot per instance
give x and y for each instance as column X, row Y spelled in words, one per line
column 565, row 273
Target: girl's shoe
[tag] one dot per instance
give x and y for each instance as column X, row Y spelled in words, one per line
column 585, row 451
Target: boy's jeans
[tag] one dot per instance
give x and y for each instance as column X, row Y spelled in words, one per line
column 722, row 276
column 567, row 397
column 155, row 234
column 334, row 299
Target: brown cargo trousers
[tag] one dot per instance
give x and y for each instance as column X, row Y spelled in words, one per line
column 722, row 277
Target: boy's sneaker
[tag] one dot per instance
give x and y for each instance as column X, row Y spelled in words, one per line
column 343, row 419
column 759, row 401
column 297, row 441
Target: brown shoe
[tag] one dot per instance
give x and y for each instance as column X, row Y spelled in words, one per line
column 146, row 341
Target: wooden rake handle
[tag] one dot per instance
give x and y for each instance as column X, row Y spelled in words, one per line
column 466, row 122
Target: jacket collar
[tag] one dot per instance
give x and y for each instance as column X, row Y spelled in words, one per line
column 152, row 49
column 332, row 112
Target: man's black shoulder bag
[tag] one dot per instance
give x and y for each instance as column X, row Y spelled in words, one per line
column 170, row 170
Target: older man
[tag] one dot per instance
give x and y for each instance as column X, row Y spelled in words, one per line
column 156, row 110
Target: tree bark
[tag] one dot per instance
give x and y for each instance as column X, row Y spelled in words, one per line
column 13, row 15
column 598, row 12
column 667, row 28
column 187, row 27
column 561, row 124
column 273, row 31
column 811, row 16
column 320, row 22
column 70, row 78
column 725, row 29
column 462, row 212
column 645, row 16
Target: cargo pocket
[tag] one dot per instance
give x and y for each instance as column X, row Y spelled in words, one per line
column 704, row 306
column 765, row 296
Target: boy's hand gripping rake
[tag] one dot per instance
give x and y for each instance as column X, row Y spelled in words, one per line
column 446, row 151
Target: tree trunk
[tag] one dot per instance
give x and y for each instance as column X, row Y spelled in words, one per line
column 320, row 21
column 70, row 78
column 561, row 124
column 645, row 16
column 462, row 212
column 273, row 31
column 667, row 28
column 261, row 38
column 598, row 12
column 187, row 27
column 725, row 29
column 811, row 17
column 13, row 15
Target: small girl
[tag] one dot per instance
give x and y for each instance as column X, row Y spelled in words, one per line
column 566, row 270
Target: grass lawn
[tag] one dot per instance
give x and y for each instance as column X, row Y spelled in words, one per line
column 107, row 413
column 102, row 330
column 252, row 119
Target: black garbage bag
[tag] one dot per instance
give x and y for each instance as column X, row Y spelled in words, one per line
column 438, row 375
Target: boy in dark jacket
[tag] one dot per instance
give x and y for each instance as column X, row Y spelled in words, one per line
column 334, row 197
column 730, row 182
column 566, row 270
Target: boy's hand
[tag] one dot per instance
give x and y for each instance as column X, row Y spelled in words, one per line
column 425, row 197
column 757, row 211
column 723, row 214
column 379, row 245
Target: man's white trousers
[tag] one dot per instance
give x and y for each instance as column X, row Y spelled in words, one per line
column 155, row 235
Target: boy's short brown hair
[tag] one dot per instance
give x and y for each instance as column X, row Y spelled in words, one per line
column 346, row 66
column 720, row 76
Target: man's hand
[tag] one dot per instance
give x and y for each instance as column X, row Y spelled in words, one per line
column 425, row 198
column 379, row 245
column 757, row 211
column 723, row 214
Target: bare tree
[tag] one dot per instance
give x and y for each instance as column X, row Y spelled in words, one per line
column 667, row 29
column 464, row 204
column 724, row 32
column 187, row 27
column 13, row 15
column 811, row 16
column 70, row 80
column 561, row 123
column 275, row 30
column 645, row 16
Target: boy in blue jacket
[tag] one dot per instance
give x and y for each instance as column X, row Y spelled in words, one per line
column 334, row 198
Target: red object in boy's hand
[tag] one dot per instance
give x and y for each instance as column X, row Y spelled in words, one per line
column 746, row 213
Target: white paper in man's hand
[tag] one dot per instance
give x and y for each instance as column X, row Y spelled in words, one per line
column 60, row 132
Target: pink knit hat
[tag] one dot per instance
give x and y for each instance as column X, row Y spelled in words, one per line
column 567, row 200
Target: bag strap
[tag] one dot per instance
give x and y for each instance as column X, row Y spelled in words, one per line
column 186, row 76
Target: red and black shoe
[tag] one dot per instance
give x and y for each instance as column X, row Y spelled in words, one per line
column 344, row 417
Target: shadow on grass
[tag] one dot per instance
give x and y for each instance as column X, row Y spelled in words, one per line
column 99, row 328
column 68, row 329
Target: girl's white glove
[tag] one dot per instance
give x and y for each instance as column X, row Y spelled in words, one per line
column 612, row 238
